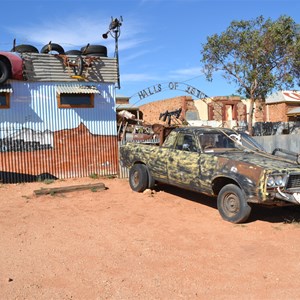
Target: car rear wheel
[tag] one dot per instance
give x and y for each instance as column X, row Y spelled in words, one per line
column 232, row 204
column 138, row 178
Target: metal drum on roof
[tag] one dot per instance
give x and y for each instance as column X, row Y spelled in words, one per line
column 16, row 64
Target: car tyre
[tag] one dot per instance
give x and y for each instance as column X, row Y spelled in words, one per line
column 138, row 178
column 96, row 55
column 25, row 49
column 73, row 52
column 232, row 204
column 53, row 47
column 94, row 50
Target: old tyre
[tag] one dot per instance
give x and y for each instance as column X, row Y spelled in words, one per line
column 25, row 48
column 102, row 54
column 4, row 72
column 138, row 178
column 53, row 47
column 232, row 204
column 73, row 52
column 94, row 50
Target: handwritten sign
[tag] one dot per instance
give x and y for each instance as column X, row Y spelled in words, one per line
column 172, row 85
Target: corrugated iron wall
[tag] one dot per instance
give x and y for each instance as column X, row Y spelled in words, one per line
column 38, row 140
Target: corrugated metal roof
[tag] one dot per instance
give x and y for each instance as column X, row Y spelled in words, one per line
column 126, row 106
column 77, row 89
column 51, row 67
column 284, row 96
column 294, row 111
column 6, row 88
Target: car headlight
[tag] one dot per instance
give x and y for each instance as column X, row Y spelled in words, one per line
column 270, row 181
column 276, row 180
column 279, row 180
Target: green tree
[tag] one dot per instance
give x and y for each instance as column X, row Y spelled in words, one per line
column 258, row 56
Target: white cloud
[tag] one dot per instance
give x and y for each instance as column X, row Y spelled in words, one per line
column 180, row 74
column 146, row 52
column 187, row 72
column 138, row 77
column 74, row 33
column 65, row 32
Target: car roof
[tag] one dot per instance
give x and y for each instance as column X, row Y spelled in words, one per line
column 202, row 129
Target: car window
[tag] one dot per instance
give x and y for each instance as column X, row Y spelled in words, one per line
column 215, row 140
column 170, row 140
column 186, row 142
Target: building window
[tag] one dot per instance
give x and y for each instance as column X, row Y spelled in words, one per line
column 75, row 100
column 4, row 100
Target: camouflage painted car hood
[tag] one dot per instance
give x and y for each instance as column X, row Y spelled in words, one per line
column 263, row 160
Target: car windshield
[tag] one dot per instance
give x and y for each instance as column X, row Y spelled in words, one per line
column 220, row 140
column 250, row 143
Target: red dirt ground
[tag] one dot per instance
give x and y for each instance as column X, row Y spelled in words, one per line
column 118, row 244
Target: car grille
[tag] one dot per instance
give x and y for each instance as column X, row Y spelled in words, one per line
column 293, row 181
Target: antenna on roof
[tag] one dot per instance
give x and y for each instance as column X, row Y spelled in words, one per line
column 115, row 31
column 14, row 45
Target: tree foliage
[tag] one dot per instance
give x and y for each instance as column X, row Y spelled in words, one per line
column 258, row 56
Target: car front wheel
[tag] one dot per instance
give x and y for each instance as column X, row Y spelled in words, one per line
column 138, row 178
column 232, row 204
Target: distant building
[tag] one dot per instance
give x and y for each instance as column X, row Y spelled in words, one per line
column 283, row 106
column 229, row 111
column 152, row 110
column 122, row 103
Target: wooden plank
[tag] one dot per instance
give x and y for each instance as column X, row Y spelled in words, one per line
column 64, row 189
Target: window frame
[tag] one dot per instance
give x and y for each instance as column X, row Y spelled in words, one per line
column 7, row 100
column 181, row 141
column 91, row 96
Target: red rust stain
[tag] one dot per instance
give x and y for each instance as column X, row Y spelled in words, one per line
column 75, row 153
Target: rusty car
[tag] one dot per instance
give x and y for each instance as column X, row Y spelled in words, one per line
column 218, row 162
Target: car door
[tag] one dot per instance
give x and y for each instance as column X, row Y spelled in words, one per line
column 183, row 162
column 159, row 158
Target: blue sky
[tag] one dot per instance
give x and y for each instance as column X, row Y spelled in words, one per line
column 160, row 40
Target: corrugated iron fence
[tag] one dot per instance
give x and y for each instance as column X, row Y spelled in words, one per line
column 29, row 155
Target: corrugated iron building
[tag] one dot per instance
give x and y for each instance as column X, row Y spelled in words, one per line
column 54, row 124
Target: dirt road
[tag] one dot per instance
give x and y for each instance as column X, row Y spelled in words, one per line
column 118, row 244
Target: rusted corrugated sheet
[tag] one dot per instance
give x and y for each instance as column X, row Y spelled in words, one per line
column 40, row 140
